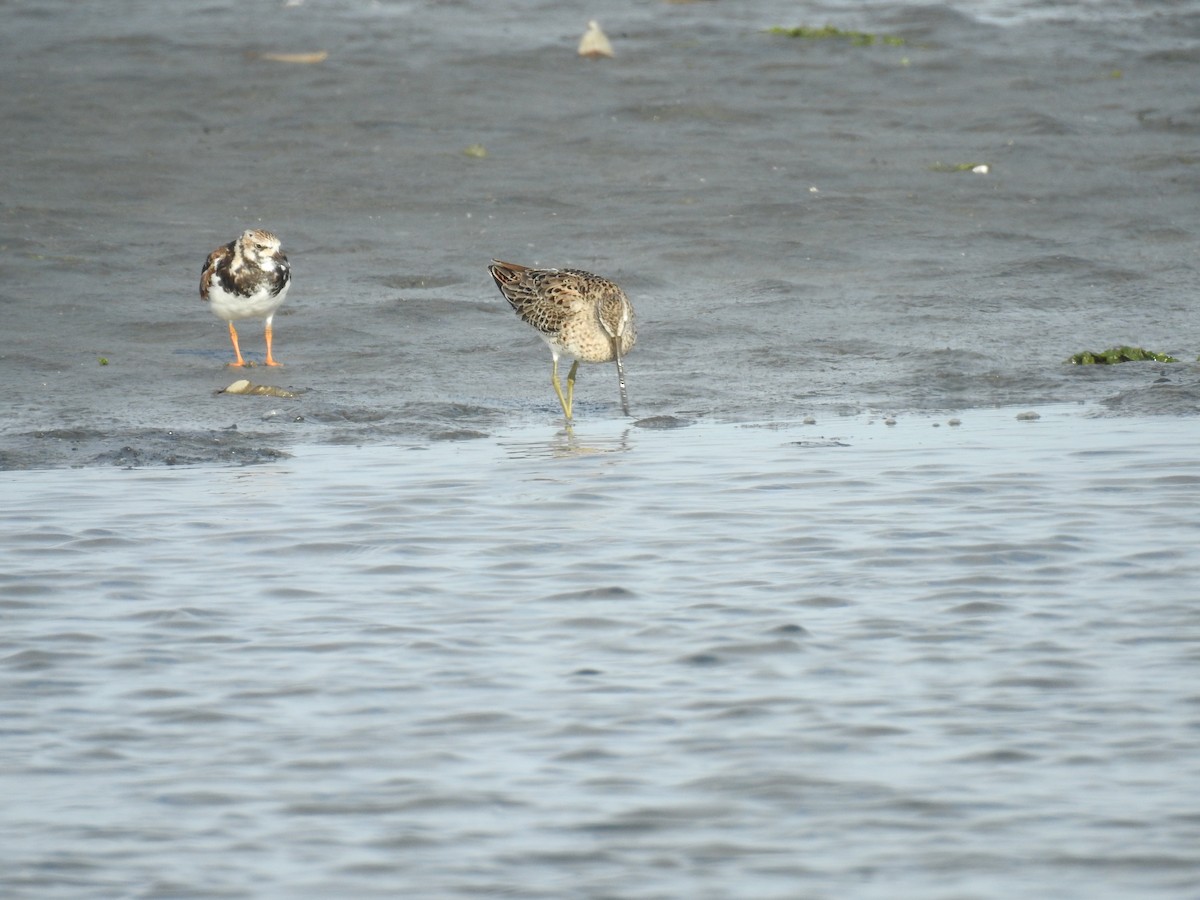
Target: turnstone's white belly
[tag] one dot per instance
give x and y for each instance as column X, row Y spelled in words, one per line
column 232, row 306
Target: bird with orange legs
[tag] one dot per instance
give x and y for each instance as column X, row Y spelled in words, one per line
column 247, row 278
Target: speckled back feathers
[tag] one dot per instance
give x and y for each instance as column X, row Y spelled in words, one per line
column 579, row 314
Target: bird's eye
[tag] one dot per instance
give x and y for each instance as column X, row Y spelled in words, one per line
column 260, row 246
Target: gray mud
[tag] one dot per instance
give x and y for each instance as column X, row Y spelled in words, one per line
column 776, row 208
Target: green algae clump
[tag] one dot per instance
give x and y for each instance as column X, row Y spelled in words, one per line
column 827, row 32
column 979, row 168
column 1114, row 355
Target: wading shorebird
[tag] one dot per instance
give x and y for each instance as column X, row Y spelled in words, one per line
column 578, row 314
column 246, row 279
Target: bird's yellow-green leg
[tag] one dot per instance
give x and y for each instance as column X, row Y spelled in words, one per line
column 566, row 405
column 571, row 387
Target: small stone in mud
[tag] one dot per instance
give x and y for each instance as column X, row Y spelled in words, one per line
column 663, row 423
column 1028, row 416
column 242, row 386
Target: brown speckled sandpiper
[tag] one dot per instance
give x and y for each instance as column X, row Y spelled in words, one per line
column 578, row 314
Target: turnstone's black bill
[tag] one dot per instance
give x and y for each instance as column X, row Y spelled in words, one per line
column 246, row 279
column 578, row 314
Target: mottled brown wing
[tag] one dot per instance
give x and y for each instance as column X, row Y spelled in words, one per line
column 543, row 298
column 214, row 260
column 509, row 277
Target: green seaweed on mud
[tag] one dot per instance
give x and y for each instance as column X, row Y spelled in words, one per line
column 827, row 32
column 960, row 167
column 1114, row 355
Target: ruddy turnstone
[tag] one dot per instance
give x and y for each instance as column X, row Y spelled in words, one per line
column 578, row 314
column 246, row 279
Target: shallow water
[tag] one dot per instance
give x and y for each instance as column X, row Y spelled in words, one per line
column 843, row 659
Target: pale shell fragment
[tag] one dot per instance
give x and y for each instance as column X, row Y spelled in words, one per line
column 594, row 42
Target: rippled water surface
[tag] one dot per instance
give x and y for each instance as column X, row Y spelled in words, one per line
column 849, row 658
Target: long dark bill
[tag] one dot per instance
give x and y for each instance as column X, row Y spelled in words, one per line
column 621, row 378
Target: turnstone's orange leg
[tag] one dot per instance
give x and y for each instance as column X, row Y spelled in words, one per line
column 270, row 358
column 236, row 349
